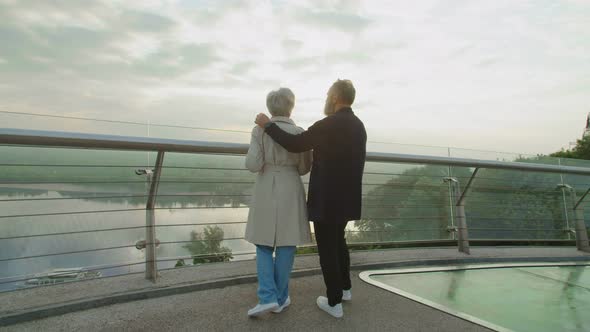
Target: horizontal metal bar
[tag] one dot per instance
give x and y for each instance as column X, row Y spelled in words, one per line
column 446, row 216
column 352, row 245
column 581, row 199
column 114, row 142
column 122, row 228
column 399, row 230
column 72, row 165
column 171, row 259
column 513, row 181
column 67, row 213
column 203, row 224
column 73, row 232
column 94, row 141
column 202, row 207
column 124, row 166
column 516, row 229
column 405, row 218
column 348, row 231
column 93, row 268
column 234, row 207
column 202, row 240
column 244, row 170
column 126, row 182
column 121, row 196
column 463, row 162
column 67, row 198
column 244, row 222
column 520, row 240
column 66, row 253
column 517, row 219
column 445, row 206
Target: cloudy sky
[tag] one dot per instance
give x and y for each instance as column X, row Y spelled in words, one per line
column 500, row 75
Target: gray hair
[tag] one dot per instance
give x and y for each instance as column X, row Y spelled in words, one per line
column 280, row 102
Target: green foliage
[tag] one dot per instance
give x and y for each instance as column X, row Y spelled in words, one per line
column 411, row 206
column 206, row 247
column 306, row 250
column 416, row 205
column 580, row 151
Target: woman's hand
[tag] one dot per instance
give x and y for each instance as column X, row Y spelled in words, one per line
column 261, row 119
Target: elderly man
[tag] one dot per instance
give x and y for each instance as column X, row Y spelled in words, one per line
column 335, row 187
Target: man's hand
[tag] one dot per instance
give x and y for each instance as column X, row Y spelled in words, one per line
column 261, row 119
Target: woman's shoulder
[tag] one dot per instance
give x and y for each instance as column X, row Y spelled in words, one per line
column 257, row 131
column 289, row 127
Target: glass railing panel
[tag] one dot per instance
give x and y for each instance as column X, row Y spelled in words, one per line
column 46, row 180
column 507, row 204
column 580, row 184
column 69, row 208
column 202, row 208
column 402, row 203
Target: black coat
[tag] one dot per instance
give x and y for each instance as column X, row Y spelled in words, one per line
column 339, row 145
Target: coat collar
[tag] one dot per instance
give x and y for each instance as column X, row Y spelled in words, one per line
column 345, row 109
column 282, row 119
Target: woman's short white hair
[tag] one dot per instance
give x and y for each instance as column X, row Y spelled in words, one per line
column 280, row 102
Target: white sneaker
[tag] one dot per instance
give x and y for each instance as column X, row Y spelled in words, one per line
column 260, row 309
column 284, row 306
column 335, row 311
column 346, row 295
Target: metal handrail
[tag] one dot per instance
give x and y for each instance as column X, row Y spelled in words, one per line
column 36, row 138
column 114, row 142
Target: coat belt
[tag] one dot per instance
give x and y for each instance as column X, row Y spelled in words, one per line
column 279, row 169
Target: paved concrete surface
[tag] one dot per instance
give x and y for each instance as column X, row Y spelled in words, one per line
column 53, row 299
column 372, row 309
column 27, row 299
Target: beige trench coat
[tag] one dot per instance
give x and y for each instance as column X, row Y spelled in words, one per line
column 278, row 213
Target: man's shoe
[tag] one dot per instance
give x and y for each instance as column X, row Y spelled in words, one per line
column 335, row 311
column 284, row 306
column 346, row 295
column 260, row 309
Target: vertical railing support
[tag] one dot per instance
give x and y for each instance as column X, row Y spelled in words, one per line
column 151, row 263
column 453, row 184
column 460, row 216
column 580, row 226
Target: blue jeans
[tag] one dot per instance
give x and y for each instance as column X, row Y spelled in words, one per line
column 273, row 274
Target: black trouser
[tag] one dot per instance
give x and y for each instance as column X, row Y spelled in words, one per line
column 334, row 258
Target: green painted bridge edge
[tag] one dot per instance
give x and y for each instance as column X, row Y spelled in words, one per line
column 80, row 305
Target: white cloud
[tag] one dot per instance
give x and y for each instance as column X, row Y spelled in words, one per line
column 478, row 73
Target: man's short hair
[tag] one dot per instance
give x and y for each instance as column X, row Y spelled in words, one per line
column 345, row 90
column 280, row 102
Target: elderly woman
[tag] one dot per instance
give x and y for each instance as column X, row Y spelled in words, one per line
column 277, row 221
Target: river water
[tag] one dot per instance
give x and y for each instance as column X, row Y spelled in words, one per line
column 47, row 200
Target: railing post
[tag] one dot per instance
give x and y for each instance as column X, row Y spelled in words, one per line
column 151, row 263
column 580, row 226
column 460, row 216
column 453, row 196
column 452, row 228
column 462, row 233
